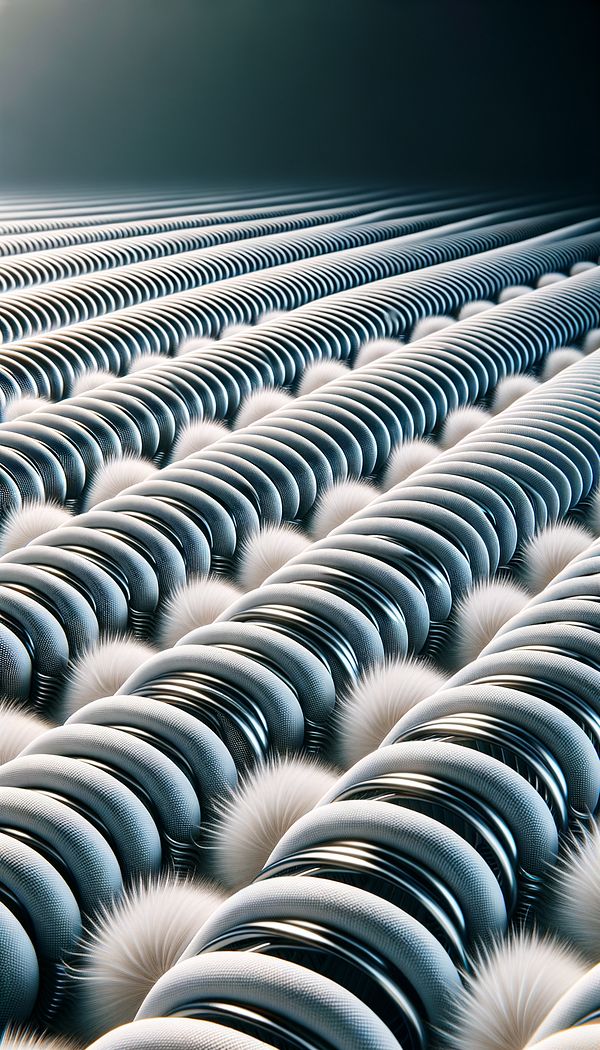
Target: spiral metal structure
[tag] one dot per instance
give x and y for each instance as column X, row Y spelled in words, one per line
column 182, row 378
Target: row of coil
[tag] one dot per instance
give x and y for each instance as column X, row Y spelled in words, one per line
column 300, row 729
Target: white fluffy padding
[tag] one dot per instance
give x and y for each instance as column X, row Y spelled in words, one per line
column 429, row 326
column 260, row 403
column 233, row 329
column 377, row 348
column 460, row 423
column 18, row 728
column 514, row 986
column 574, row 909
column 549, row 551
column 260, row 810
column 320, row 373
column 197, row 436
column 102, row 670
column 200, row 342
column 550, row 278
column 134, row 942
column 474, row 308
column 513, row 291
column 195, row 604
column 511, row 389
column 115, row 475
column 479, row 616
column 407, row 458
column 90, row 380
column 266, row 551
column 594, row 517
column 377, row 701
column 145, row 361
column 23, row 406
column 27, row 1039
column 559, row 359
column 270, row 315
column 581, row 267
column 338, row 503
column 591, row 341
column 30, row 521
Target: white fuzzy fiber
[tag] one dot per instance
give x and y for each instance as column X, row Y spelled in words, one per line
column 23, row 406
column 28, row 1039
column 510, row 390
column 561, row 358
column 514, row 985
column 134, row 942
column 479, row 616
column 406, row 459
column 271, row 315
column 115, row 475
column 260, row 403
column 18, row 728
column 371, row 352
column 429, row 326
column 101, row 671
column 575, row 897
column 145, row 361
column 197, row 436
column 338, row 504
column 266, row 551
column 256, row 815
column 320, row 373
column 474, row 308
column 88, row 382
column 197, row 603
column 233, row 329
column 549, row 551
column 377, row 701
column 591, row 341
column 513, row 291
column 581, row 267
column 550, row 278
column 460, row 423
column 30, row 521
column 189, row 346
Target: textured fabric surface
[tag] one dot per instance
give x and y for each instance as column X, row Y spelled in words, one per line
column 138, row 328
column 354, row 626
column 44, row 895
column 579, row 1003
column 518, row 802
column 574, row 752
column 165, row 788
column 122, row 561
column 283, row 988
column 169, row 1033
column 277, row 702
column 414, row 835
column 16, row 665
column 201, row 750
column 19, row 973
column 537, row 668
column 125, row 820
column 89, row 862
column 304, row 672
column 401, row 940
column 411, row 597
column 110, row 606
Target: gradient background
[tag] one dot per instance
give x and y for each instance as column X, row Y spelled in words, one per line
column 241, row 92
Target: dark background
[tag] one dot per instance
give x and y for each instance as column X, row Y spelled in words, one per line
column 242, row 92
